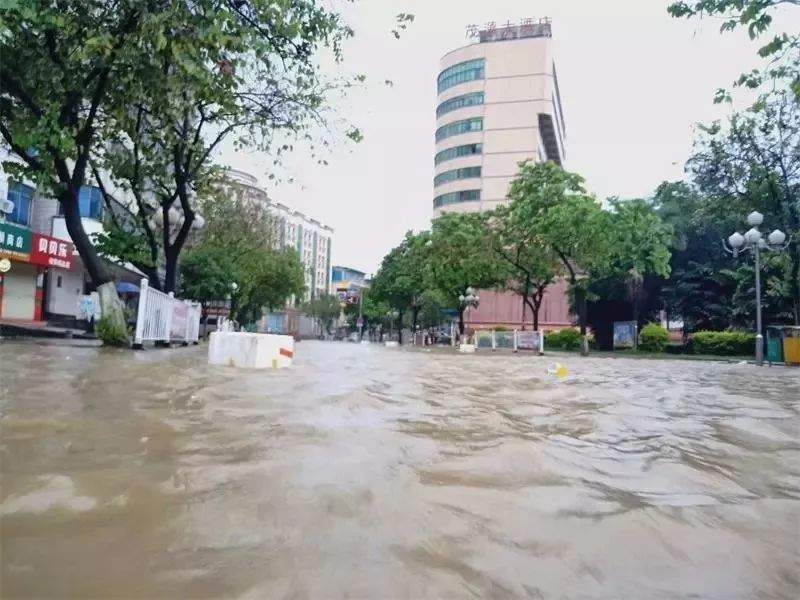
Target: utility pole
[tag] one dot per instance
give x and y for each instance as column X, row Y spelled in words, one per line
column 360, row 321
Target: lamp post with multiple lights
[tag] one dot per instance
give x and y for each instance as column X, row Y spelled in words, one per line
column 753, row 241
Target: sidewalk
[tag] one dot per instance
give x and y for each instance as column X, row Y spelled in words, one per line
column 40, row 329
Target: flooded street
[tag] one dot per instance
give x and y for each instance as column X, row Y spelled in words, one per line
column 369, row 472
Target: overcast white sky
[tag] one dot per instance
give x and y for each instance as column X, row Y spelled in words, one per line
column 633, row 81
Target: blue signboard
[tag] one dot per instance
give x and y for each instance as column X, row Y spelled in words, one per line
column 624, row 334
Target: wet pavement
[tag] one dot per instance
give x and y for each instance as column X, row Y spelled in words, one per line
column 368, row 472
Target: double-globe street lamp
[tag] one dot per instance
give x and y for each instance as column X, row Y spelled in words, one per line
column 469, row 299
column 753, row 241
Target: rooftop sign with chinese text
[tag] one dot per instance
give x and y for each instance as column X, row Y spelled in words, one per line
column 511, row 30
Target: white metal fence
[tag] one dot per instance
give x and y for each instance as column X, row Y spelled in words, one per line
column 515, row 340
column 164, row 318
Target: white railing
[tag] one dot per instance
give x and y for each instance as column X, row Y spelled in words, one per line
column 514, row 340
column 163, row 318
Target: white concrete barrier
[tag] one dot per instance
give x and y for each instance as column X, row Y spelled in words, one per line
column 391, row 344
column 250, row 350
column 467, row 348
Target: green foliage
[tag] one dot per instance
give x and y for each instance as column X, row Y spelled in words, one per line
column 459, row 256
column 568, row 221
column 326, row 308
column 756, row 17
column 373, row 310
column 723, row 343
column 515, row 236
column 234, row 255
column 400, row 282
column 566, row 339
column 653, row 338
column 641, row 239
column 111, row 333
column 752, row 163
column 148, row 91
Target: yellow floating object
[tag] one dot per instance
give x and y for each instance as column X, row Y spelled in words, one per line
column 558, row 370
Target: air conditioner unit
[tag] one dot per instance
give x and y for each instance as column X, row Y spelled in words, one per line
column 6, row 206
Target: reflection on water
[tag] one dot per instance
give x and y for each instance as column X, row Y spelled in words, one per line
column 369, row 472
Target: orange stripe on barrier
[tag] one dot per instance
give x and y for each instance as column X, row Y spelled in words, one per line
column 287, row 353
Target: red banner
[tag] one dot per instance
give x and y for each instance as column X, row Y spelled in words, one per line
column 51, row 252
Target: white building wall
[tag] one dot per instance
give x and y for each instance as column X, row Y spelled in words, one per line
column 294, row 230
column 518, row 86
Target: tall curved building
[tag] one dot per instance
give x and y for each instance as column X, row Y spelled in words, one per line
column 498, row 104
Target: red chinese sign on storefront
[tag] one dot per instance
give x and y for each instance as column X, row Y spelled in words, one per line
column 51, row 252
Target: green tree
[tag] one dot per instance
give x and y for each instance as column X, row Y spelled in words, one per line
column 752, row 162
column 459, row 256
column 700, row 288
column 238, row 246
column 325, row 308
column 756, row 16
column 211, row 76
column 641, row 246
column 400, row 281
column 530, row 262
column 568, row 221
column 67, row 75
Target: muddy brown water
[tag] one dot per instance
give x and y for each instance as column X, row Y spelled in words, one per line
column 367, row 472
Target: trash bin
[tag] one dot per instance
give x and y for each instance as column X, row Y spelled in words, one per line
column 791, row 345
column 775, row 343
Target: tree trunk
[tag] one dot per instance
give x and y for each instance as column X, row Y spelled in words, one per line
column 461, row 322
column 400, row 327
column 414, row 318
column 88, row 253
column 170, row 271
column 580, row 302
column 111, row 308
column 794, row 278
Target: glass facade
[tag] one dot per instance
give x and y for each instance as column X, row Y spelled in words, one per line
column 458, row 151
column 22, row 197
column 459, row 127
column 456, row 197
column 461, row 73
column 474, row 99
column 456, row 174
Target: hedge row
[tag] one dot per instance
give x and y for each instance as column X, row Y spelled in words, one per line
column 724, row 343
column 566, row 339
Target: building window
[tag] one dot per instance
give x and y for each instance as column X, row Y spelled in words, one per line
column 90, row 203
column 22, row 197
column 458, row 151
column 58, row 281
column 464, row 101
column 455, row 174
column 456, row 197
column 461, row 73
column 459, row 127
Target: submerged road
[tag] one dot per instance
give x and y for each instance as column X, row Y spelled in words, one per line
column 368, row 472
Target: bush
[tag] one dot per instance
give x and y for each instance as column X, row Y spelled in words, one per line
column 110, row 333
column 566, row 339
column 653, row 338
column 724, row 343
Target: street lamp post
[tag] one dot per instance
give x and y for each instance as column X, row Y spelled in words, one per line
column 392, row 314
column 754, row 242
column 469, row 299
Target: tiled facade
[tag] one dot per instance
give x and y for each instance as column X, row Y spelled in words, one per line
column 309, row 237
